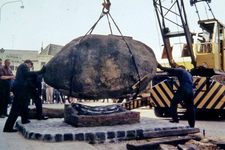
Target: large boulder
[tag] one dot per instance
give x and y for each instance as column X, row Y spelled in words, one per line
column 100, row 66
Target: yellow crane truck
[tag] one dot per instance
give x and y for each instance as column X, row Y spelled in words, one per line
column 203, row 54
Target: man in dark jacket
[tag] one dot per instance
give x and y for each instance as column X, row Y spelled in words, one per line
column 184, row 92
column 21, row 99
column 3, row 93
column 6, row 88
column 33, row 87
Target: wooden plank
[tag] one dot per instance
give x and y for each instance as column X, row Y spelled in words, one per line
column 154, row 144
column 169, row 132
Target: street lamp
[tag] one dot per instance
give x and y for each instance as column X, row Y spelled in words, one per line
column 22, row 6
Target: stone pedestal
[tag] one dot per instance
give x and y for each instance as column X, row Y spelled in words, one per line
column 119, row 118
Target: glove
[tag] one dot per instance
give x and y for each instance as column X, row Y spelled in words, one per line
column 43, row 70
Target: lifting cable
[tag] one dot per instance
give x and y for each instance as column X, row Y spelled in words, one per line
column 105, row 11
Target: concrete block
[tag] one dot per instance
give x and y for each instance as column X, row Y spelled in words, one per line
column 68, row 137
column 58, row 138
column 79, row 136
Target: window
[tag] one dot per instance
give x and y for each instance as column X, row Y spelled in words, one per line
column 205, row 47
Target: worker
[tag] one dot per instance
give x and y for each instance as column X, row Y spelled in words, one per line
column 2, row 92
column 6, row 84
column 184, row 92
column 21, row 99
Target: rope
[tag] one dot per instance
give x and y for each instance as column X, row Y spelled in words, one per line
column 109, row 24
column 93, row 27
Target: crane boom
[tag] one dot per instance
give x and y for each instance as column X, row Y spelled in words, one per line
column 164, row 14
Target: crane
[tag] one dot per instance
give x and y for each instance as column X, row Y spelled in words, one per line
column 206, row 51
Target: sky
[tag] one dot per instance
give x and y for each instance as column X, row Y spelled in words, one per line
column 44, row 22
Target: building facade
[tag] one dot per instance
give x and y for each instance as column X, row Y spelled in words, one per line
column 47, row 54
column 39, row 59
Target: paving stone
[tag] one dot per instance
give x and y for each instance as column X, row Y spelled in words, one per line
column 68, row 137
column 120, row 134
column 139, row 133
column 58, row 138
column 166, row 128
column 30, row 135
column 89, row 136
column 111, row 135
column 100, row 136
column 37, row 136
column 131, row 134
column 47, row 137
column 26, row 135
column 23, row 131
column 157, row 129
column 79, row 136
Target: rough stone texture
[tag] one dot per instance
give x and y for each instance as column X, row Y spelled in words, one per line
column 100, row 66
column 125, row 117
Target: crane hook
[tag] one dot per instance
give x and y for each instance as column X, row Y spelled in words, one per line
column 106, row 7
